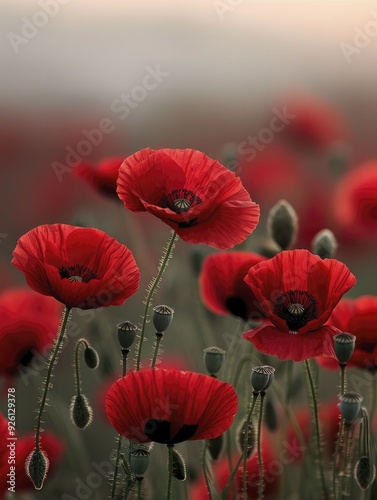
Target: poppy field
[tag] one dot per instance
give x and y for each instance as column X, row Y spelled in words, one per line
column 188, row 237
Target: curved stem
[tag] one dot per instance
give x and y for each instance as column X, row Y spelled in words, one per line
column 224, row 495
column 170, row 471
column 151, row 289
column 260, row 460
column 120, row 437
column 159, row 336
column 204, row 460
column 51, row 365
column 318, row 435
column 79, row 343
column 245, row 443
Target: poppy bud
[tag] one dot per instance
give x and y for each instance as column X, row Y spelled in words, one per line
column 261, row 377
column 250, row 437
column 91, row 357
column 213, row 358
column 139, row 461
column 270, row 416
column 215, row 446
column 80, row 411
column 282, row 224
column 364, row 472
column 126, row 334
column 162, row 317
column 350, row 406
column 344, row 345
column 37, row 465
column 324, row 244
column 179, row 467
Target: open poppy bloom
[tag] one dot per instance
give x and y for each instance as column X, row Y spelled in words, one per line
column 199, row 198
column 103, row 176
column 80, row 267
column 24, row 445
column 28, row 327
column 170, row 406
column 299, row 291
column 222, row 285
column 359, row 317
column 355, row 202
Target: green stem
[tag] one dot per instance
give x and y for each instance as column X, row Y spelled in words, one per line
column 51, row 365
column 170, row 471
column 289, row 366
column 139, row 481
column 204, row 461
column 260, row 460
column 336, row 456
column 318, row 435
column 120, row 437
column 151, row 289
column 245, row 443
column 77, row 364
column 224, row 495
column 159, row 336
column 345, row 458
column 373, row 405
column 342, row 378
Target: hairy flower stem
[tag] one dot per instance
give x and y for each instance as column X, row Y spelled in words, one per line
column 204, row 461
column 151, row 290
column 53, row 358
column 156, row 348
column 77, row 364
column 336, row 456
column 345, row 459
column 342, row 378
column 120, row 437
column 259, row 446
column 224, row 495
column 318, row 435
column 289, row 366
column 170, row 471
column 247, row 423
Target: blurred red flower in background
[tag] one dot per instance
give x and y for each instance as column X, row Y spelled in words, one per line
column 359, row 317
column 50, row 444
column 28, row 326
column 355, row 202
column 199, row 198
column 80, row 267
column 170, row 406
column 299, row 291
column 103, row 176
column 222, row 286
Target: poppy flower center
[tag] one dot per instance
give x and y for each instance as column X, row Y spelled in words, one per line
column 237, row 307
column 159, row 431
column 297, row 308
column 77, row 273
column 180, row 200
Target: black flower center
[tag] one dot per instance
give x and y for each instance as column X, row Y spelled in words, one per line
column 237, row 307
column 77, row 273
column 180, row 200
column 159, row 431
column 297, row 308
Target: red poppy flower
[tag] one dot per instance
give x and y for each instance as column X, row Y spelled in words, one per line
column 80, row 267
column 199, row 198
column 50, row 444
column 28, row 326
column 103, row 176
column 272, row 475
column 355, row 202
column 359, row 317
column 298, row 290
column 170, row 406
column 222, row 285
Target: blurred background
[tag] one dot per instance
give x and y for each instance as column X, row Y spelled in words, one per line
column 209, row 75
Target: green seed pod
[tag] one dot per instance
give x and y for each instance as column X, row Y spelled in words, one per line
column 240, row 437
column 364, row 472
column 80, row 411
column 261, row 377
column 126, row 334
column 324, row 244
column 37, row 465
column 91, row 357
column 162, row 317
column 215, row 446
column 139, row 461
column 350, row 406
column 344, row 345
column 282, row 224
column 179, row 467
column 213, row 358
